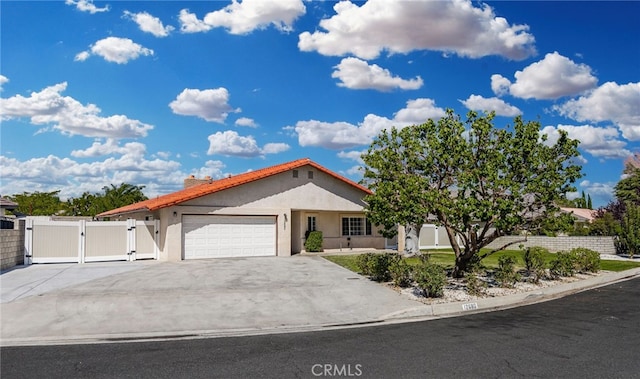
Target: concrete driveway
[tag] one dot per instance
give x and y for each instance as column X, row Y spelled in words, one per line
column 127, row 300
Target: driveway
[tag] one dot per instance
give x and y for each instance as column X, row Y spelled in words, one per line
column 122, row 300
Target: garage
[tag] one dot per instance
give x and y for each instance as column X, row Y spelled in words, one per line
column 207, row 236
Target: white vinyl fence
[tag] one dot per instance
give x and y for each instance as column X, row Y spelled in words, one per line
column 90, row 241
column 434, row 237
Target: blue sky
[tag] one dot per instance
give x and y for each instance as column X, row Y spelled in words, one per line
column 147, row 93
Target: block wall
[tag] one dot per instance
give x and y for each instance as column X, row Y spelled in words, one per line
column 12, row 246
column 603, row 245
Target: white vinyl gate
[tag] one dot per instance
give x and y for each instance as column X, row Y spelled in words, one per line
column 90, row 241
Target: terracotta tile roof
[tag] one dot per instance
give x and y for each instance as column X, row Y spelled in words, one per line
column 223, row 184
column 586, row 214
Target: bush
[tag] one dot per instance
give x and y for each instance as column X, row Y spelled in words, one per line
column 506, row 272
column 430, row 278
column 564, row 264
column 400, row 273
column 377, row 266
column 534, row 262
column 313, row 244
column 586, row 260
column 475, row 286
column 362, row 262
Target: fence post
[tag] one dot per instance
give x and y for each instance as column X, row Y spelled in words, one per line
column 156, row 239
column 82, row 227
column 131, row 239
column 28, row 242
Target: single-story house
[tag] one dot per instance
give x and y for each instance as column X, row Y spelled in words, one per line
column 266, row 212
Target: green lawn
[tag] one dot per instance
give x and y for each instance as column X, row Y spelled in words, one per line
column 446, row 259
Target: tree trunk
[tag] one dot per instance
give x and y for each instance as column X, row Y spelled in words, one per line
column 463, row 260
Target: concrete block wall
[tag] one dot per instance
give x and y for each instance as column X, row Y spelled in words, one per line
column 12, row 246
column 603, row 245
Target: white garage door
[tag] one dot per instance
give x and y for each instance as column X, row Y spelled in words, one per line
column 228, row 236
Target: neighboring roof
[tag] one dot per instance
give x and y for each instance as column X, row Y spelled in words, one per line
column 586, row 214
column 7, row 204
column 223, row 184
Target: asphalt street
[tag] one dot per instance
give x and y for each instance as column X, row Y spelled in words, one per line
column 592, row 334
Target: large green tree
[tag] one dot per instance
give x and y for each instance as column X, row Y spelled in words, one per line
column 477, row 181
column 628, row 189
column 113, row 196
column 39, row 203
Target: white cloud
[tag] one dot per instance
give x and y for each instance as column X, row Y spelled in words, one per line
column 599, row 142
column 355, row 155
column 87, row 6
column 82, row 56
column 619, row 104
column 418, row 111
column 553, row 77
column 500, row 85
column 479, row 103
column 115, row 49
column 73, row 178
column 209, row 104
column 342, row 135
column 275, row 148
column 602, row 190
column 149, row 24
column 230, row 143
column 69, row 115
column 3, row 80
column 110, row 147
column 189, row 23
column 246, row 16
column 245, row 121
column 404, row 26
column 355, row 73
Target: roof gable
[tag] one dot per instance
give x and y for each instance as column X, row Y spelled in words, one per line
column 214, row 186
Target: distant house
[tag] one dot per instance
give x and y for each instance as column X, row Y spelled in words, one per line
column 6, row 205
column 581, row 215
column 265, row 212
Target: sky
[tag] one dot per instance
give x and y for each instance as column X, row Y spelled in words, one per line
column 150, row 92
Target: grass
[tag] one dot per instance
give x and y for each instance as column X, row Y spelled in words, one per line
column 447, row 259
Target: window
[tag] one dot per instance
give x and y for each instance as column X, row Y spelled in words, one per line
column 311, row 223
column 295, row 173
column 356, row 226
column 310, row 174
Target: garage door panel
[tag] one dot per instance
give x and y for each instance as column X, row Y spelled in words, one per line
column 208, row 236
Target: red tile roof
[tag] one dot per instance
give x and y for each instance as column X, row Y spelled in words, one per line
column 223, row 184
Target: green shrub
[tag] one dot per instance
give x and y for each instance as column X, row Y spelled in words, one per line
column 586, row 260
column 430, row 278
column 564, row 264
column 362, row 262
column 377, row 266
column 400, row 273
column 506, row 272
column 313, row 244
column 534, row 262
column 475, row 286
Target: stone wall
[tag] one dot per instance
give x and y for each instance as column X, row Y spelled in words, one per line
column 603, row 245
column 12, row 245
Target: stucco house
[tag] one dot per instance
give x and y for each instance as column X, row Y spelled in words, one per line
column 266, row 212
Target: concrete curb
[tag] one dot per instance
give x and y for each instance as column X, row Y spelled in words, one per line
column 515, row 300
column 420, row 313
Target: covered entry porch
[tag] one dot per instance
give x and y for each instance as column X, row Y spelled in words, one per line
column 340, row 230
